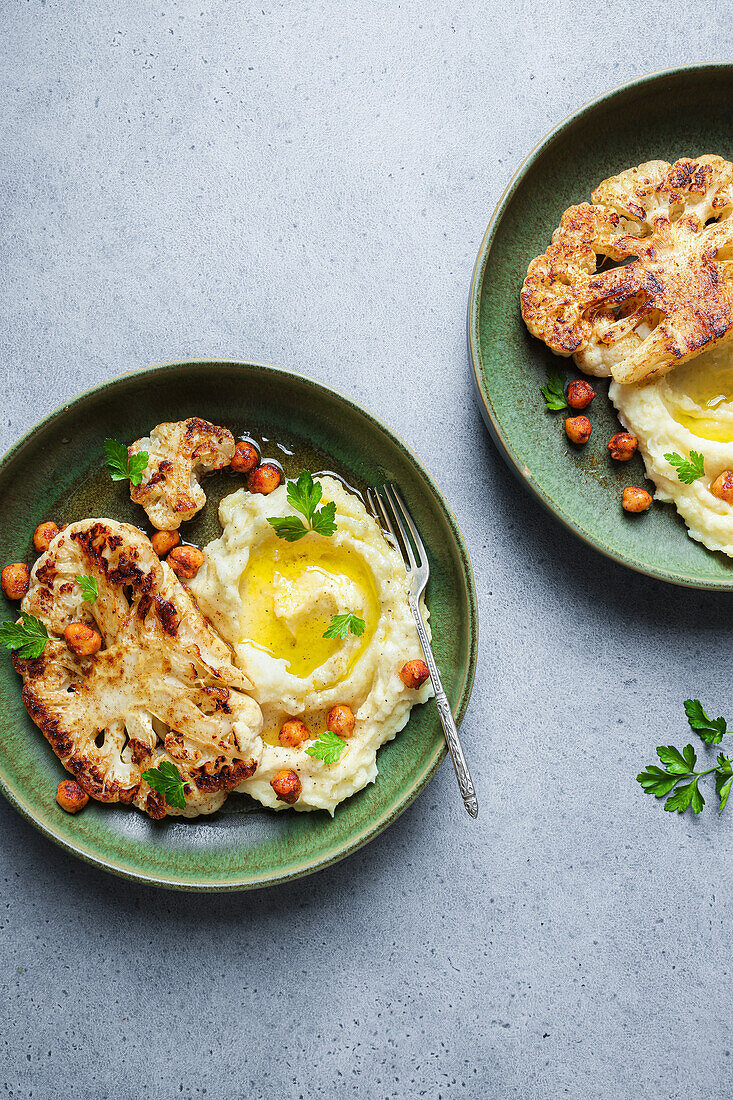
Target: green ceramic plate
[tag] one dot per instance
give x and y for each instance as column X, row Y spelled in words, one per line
column 683, row 112
column 57, row 471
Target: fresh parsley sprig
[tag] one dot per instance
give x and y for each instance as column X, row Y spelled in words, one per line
column 28, row 636
column 305, row 495
column 677, row 780
column 327, row 748
column 341, row 625
column 88, row 586
column 688, row 469
column 167, row 780
column 554, row 391
column 124, row 466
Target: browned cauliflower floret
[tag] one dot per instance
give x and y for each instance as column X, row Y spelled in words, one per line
column 668, row 294
column 177, row 455
column 163, row 687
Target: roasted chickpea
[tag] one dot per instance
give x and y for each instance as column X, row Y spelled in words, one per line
column 623, row 446
column 15, row 580
column 287, row 786
column 414, row 674
column 245, row 457
column 83, row 640
column 185, row 561
column 293, row 733
column 580, row 394
column 341, row 720
column 44, row 535
column 263, row 479
column 722, row 487
column 70, row 796
column 164, row 541
column 635, row 499
column 578, row 429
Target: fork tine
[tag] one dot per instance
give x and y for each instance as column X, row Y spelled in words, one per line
column 380, row 511
column 400, row 509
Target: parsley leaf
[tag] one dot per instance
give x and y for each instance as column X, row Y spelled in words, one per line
column 289, row 528
column 554, row 391
column 710, row 730
column 688, row 795
column 324, row 522
column 327, row 748
column 28, row 636
column 166, row 780
column 678, row 781
column 122, row 465
column 305, row 495
column 88, row 586
column 723, row 779
column 340, row 626
column 688, row 469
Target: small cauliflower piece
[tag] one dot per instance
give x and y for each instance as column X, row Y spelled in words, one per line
column 162, row 687
column 178, row 454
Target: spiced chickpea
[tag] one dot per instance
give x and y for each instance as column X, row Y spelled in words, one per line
column 293, row 733
column 634, row 499
column 15, row 580
column 44, row 535
column 245, row 457
column 414, row 674
column 164, row 541
column 722, row 487
column 185, row 561
column 70, row 796
column 580, row 394
column 83, row 640
column 263, row 479
column 622, row 446
column 578, row 429
column 341, row 720
column 287, row 786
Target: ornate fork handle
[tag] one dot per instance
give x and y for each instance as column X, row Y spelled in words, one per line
column 446, row 717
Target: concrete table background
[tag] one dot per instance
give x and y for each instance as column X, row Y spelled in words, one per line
column 308, row 184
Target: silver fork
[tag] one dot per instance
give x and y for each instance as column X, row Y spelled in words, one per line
column 391, row 511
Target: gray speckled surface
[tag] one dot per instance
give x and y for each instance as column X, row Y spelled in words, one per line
column 308, row 184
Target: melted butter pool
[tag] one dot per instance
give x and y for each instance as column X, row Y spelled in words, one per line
column 277, row 569
column 708, row 383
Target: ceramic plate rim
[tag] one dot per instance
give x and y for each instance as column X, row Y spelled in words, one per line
column 375, row 826
column 474, row 312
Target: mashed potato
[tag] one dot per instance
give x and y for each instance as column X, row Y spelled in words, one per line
column 273, row 600
column 690, row 409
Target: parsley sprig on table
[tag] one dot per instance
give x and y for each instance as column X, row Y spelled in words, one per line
column 124, row 466
column 305, row 495
column 28, row 636
column 166, row 780
column 688, row 469
column 341, row 625
column 554, row 391
column 677, row 780
column 88, row 586
column 327, row 748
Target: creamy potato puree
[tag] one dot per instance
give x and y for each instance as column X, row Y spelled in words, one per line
column 273, row 600
column 690, row 409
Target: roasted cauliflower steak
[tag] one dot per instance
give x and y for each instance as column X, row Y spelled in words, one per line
column 162, row 687
column 667, row 229
column 178, row 454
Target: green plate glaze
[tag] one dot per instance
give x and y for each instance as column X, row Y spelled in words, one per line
column 682, row 112
column 58, row 471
